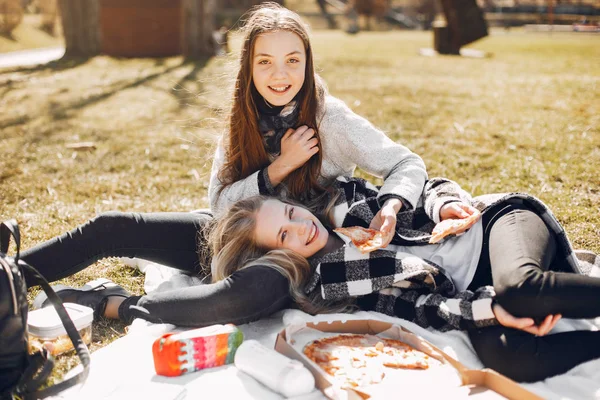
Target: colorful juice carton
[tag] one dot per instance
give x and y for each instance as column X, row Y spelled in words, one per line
column 179, row 353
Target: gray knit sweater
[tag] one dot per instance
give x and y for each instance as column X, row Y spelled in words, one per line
column 347, row 141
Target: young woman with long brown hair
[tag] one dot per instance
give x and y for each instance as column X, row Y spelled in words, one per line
column 287, row 136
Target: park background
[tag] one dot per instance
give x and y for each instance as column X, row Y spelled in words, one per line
column 82, row 135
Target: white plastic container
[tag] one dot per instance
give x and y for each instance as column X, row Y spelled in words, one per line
column 46, row 328
column 274, row 370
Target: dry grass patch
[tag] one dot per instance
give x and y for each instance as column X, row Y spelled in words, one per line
column 526, row 119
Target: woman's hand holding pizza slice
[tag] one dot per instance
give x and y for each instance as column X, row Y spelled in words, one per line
column 456, row 218
column 385, row 220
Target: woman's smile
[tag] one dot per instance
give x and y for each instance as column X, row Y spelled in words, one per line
column 280, row 89
column 314, row 234
column 286, row 226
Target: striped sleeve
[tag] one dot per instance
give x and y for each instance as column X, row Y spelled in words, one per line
column 467, row 310
column 441, row 191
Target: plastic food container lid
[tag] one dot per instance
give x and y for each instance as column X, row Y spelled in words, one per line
column 46, row 323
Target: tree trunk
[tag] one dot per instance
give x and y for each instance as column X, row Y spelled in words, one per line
column 81, row 26
column 198, row 25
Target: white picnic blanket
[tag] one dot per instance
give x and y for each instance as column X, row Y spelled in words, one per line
column 124, row 369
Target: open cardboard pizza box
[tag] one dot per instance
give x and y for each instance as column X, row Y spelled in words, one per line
column 472, row 384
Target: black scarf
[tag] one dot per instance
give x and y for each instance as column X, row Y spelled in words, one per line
column 274, row 121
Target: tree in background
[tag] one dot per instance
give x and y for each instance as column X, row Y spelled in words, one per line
column 81, row 26
column 80, row 23
column 198, row 28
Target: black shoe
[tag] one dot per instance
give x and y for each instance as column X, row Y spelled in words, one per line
column 93, row 294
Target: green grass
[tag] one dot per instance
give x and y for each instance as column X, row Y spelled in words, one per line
column 525, row 119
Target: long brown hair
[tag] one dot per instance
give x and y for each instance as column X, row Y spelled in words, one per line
column 233, row 245
column 245, row 151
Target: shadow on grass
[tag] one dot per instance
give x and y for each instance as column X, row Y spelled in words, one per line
column 51, row 67
column 61, row 111
column 66, row 62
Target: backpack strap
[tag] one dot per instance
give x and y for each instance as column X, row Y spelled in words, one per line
column 42, row 363
column 39, row 369
column 78, row 344
column 7, row 229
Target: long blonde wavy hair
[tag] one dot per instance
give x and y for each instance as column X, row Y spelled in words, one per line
column 233, row 244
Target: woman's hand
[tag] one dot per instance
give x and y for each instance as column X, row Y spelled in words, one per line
column 525, row 324
column 297, row 147
column 385, row 220
column 458, row 210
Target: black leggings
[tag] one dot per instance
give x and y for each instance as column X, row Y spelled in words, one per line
column 171, row 239
column 519, row 258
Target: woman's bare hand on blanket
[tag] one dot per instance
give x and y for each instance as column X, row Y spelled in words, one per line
column 525, row 324
column 385, row 220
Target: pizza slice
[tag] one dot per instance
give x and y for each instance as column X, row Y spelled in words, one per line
column 452, row 226
column 365, row 239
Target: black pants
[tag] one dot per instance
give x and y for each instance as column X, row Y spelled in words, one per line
column 171, row 239
column 519, row 259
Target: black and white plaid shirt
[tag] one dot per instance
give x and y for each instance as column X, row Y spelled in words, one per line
column 403, row 285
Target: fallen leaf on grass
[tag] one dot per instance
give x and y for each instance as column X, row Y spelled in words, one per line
column 81, row 146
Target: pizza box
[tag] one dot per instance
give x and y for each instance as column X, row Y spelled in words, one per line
column 472, row 384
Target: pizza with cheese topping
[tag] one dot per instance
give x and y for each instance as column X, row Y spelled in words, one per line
column 357, row 361
column 365, row 239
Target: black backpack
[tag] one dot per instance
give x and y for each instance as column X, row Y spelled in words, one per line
column 22, row 374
